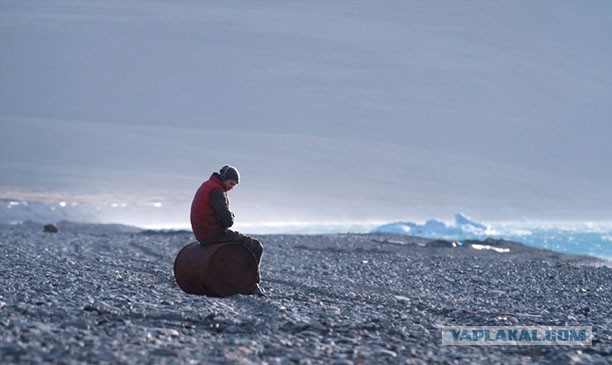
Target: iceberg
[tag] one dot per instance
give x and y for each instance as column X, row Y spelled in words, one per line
column 464, row 226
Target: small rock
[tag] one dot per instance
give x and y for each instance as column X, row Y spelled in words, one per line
column 384, row 352
column 164, row 352
column 512, row 319
column 402, row 299
column 332, row 311
column 51, row 228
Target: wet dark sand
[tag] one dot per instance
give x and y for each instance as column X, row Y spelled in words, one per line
column 107, row 295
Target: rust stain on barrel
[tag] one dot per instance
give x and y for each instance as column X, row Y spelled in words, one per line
column 220, row 269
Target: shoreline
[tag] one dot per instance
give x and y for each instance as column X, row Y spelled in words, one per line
column 564, row 240
column 394, row 237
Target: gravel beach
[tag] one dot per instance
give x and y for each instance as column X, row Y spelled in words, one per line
column 107, row 295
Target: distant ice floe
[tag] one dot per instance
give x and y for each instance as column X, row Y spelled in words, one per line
column 463, row 227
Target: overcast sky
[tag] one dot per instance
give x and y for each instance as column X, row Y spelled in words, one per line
column 330, row 110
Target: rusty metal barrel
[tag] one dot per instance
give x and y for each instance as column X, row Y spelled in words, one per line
column 218, row 270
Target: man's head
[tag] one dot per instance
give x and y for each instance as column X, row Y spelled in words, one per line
column 230, row 176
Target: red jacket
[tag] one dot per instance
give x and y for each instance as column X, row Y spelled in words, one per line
column 206, row 221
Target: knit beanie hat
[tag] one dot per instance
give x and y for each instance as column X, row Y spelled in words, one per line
column 228, row 172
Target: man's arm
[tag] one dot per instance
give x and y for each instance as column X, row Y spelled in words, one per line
column 219, row 204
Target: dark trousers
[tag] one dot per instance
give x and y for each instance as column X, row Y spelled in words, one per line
column 247, row 242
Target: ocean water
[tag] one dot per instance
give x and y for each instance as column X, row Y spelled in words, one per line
column 564, row 239
column 575, row 237
column 582, row 238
